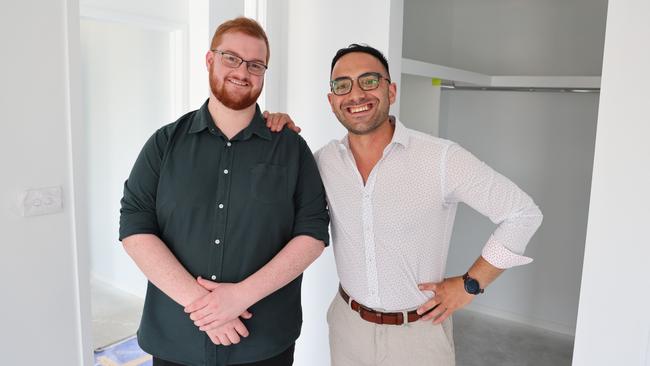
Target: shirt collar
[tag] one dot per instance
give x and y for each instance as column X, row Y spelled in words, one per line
column 257, row 126
column 400, row 135
column 201, row 119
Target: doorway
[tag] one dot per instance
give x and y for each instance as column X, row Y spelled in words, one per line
column 135, row 80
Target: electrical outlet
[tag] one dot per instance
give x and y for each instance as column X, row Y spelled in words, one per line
column 42, row 201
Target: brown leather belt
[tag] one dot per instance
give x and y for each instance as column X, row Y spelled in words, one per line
column 378, row 317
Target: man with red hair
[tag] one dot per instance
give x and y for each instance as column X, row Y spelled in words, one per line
column 223, row 216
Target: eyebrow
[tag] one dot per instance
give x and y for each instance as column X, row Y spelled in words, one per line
column 360, row 75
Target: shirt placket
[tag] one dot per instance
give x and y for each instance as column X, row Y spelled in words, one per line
column 222, row 206
column 369, row 240
column 368, row 229
column 367, row 218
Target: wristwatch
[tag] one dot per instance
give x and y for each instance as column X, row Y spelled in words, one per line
column 471, row 285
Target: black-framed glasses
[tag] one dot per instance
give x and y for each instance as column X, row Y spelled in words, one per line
column 367, row 81
column 233, row 61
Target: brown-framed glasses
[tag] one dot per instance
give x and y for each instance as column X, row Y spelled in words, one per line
column 367, row 81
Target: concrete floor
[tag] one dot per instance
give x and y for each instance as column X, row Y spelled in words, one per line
column 116, row 314
column 481, row 340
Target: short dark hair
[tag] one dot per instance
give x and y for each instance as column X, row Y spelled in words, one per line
column 363, row 48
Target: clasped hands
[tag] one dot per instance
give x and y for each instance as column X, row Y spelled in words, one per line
column 450, row 295
column 219, row 312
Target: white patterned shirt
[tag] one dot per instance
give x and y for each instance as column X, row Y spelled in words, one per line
column 393, row 233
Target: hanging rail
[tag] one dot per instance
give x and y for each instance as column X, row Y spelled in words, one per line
column 451, row 86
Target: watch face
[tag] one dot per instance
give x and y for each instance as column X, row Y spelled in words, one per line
column 472, row 286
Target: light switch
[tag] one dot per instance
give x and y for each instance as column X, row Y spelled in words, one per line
column 43, row 201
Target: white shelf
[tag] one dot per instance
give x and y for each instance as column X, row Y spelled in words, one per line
column 419, row 68
column 463, row 77
column 573, row 82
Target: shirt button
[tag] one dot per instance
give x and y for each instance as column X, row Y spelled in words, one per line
column 225, row 171
column 217, row 241
column 221, row 205
column 213, row 277
column 228, row 144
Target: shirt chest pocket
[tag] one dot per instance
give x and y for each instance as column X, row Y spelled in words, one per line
column 269, row 183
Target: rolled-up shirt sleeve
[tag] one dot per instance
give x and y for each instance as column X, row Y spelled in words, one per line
column 311, row 215
column 469, row 180
column 138, row 205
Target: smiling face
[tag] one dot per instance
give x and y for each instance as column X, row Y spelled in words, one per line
column 236, row 88
column 361, row 112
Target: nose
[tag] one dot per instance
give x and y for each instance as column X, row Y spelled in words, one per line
column 242, row 69
column 356, row 92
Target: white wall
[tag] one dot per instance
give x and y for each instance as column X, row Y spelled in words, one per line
column 170, row 16
column 420, row 105
column 40, row 312
column 277, row 26
column 613, row 318
column 428, row 31
column 167, row 10
column 220, row 11
column 544, row 142
column 199, row 37
column 507, row 37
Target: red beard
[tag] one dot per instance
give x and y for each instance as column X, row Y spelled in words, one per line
column 235, row 102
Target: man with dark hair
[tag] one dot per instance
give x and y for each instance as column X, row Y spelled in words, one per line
column 393, row 193
column 364, row 48
column 223, row 216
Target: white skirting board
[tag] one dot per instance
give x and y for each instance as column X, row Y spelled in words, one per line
column 533, row 322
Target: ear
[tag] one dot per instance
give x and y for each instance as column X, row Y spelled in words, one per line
column 329, row 98
column 392, row 93
column 209, row 59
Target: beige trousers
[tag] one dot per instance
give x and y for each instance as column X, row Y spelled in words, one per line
column 356, row 342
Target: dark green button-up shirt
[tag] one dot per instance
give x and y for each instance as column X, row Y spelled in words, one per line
column 224, row 208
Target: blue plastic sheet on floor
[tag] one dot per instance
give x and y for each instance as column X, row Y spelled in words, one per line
column 125, row 353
